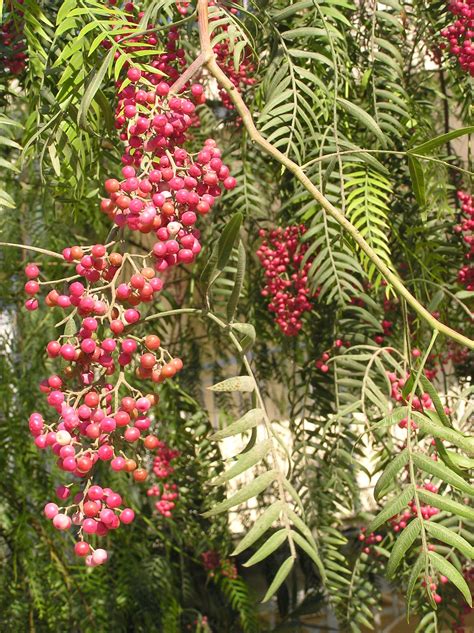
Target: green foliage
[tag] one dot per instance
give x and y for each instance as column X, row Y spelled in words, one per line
column 343, row 89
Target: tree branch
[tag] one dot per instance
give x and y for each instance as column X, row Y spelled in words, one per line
column 247, row 120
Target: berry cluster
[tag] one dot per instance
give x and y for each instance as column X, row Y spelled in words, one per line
column 433, row 586
column 321, row 363
column 96, row 511
column 369, row 539
column 162, row 469
column 466, row 230
column 460, row 33
column 164, row 188
column 400, row 521
column 95, row 415
column 12, row 44
column 241, row 77
column 214, row 564
column 281, row 254
column 418, row 404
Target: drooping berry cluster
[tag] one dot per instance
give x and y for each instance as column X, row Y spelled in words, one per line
column 162, row 469
column 417, row 404
column 95, row 415
column 164, row 188
column 214, row 564
column 460, row 33
column 242, row 77
column 95, row 511
column 13, row 55
column 400, row 521
column 281, row 254
column 466, row 231
column 369, row 539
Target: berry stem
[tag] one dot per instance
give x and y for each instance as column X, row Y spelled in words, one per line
column 36, row 249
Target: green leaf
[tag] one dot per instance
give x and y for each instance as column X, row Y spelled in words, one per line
column 442, row 472
column 424, row 148
column 221, row 252
column 449, row 570
column 387, row 478
column 261, row 525
column 447, row 457
column 92, row 88
column 393, row 418
column 248, row 330
column 443, row 502
column 238, row 383
column 311, row 551
column 436, row 429
column 249, row 491
column 461, row 462
column 238, row 283
column 450, row 538
column 292, row 492
column 280, row 577
column 415, row 572
column 244, row 462
column 70, row 328
column 433, row 394
column 394, row 506
column 405, row 540
column 268, row 547
column 227, row 240
column 248, row 421
column 363, row 117
column 418, row 180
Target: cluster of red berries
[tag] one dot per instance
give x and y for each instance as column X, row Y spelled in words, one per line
column 466, row 230
column 95, row 511
column 397, row 384
column 242, row 77
column 214, row 564
column 12, row 43
column 95, row 265
column 162, row 469
column 91, row 428
column 369, row 539
column 97, row 416
column 321, row 363
column 433, row 586
column 281, row 254
column 460, row 33
column 400, row 521
column 168, row 200
column 164, row 188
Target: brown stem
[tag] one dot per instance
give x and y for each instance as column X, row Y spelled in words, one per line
column 188, row 73
column 35, row 249
column 247, row 120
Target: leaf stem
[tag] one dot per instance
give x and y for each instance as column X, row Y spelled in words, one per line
column 411, row 465
column 268, row 425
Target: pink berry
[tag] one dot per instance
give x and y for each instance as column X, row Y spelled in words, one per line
column 51, row 510
column 127, row 516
